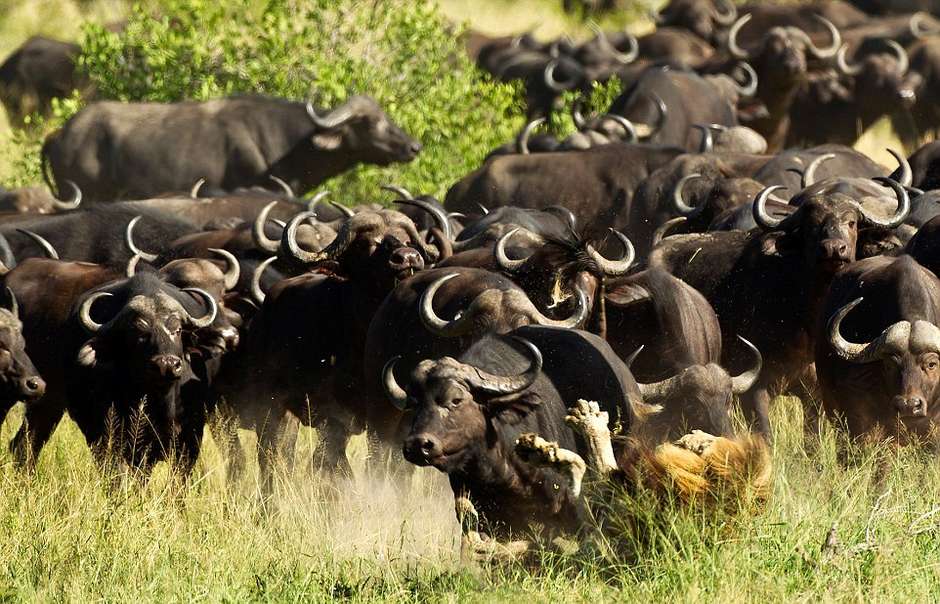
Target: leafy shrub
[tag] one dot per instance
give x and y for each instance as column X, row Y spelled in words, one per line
column 401, row 52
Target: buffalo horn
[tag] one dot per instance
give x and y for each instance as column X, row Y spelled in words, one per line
column 210, row 302
column 289, row 192
column 194, row 192
column 678, row 203
column 73, row 203
column 333, row 119
column 522, row 141
column 743, row 382
column 498, row 384
column 907, row 174
column 904, row 206
column 809, row 174
column 502, row 260
column 395, row 393
column 258, row 235
column 707, row 143
column 233, row 269
column 733, row 48
column 437, row 212
column 763, row 219
column 316, row 199
column 257, row 294
column 613, row 268
column 402, row 192
column 47, row 247
column 129, row 241
column 84, row 311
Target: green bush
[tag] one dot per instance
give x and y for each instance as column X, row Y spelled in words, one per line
column 401, row 52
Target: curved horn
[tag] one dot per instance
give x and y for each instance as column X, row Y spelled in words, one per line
column 904, row 61
column 633, row 355
column 502, row 260
column 551, row 82
column 570, row 219
column 665, row 229
column 826, row 53
column 7, row 258
column 842, row 62
column 733, row 48
column 332, row 120
column 658, row 392
column 129, row 241
column 316, row 199
column 131, row 269
column 907, row 174
column 12, row 305
column 574, row 321
column 900, row 215
column 258, row 234
column 402, row 192
column 576, row 116
column 483, row 209
column 435, row 324
column 438, row 213
column 679, row 204
column 84, row 311
column 707, row 143
column 396, row 394
column 71, row 204
column 743, row 382
column 624, row 58
column 763, row 219
column 194, row 192
column 724, row 18
column 662, row 112
column 257, row 294
column 344, row 210
column 498, row 384
column 751, row 88
column 522, row 141
column 613, row 268
column 624, row 123
column 210, row 303
column 917, row 28
column 334, row 249
column 47, row 247
column 850, row 351
column 809, row 174
column 289, row 192
column 233, row 270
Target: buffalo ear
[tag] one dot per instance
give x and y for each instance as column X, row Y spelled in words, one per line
column 627, row 294
column 777, row 243
column 513, row 408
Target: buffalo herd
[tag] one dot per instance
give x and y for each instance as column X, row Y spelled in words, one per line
column 577, row 311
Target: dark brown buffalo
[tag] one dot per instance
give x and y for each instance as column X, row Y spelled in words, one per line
column 878, row 349
column 308, row 338
column 767, row 285
column 118, row 151
column 37, row 72
column 597, row 184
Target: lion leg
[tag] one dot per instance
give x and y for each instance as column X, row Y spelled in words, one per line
column 586, row 418
column 537, row 451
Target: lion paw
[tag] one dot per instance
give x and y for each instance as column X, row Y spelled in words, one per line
column 697, row 442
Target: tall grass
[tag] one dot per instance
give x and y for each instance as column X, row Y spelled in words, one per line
column 66, row 536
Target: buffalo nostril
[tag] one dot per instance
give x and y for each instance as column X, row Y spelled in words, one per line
column 416, row 147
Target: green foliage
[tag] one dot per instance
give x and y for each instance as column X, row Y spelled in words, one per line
column 21, row 152
column 400, row 52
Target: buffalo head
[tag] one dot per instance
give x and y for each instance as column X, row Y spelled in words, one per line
column 361, row 128
column 455, row 404
column 909, row 355
column 783, row 52
column 824, row 228
column 882, row 77
column 19, row 380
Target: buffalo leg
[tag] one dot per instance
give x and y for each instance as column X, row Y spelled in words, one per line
column 476, row 547
column 756, row 407
column 268, row 428
column 224, row 428
column 330, row 454
column 39, row 423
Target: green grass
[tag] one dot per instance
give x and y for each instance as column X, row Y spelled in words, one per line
column 64, row 538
